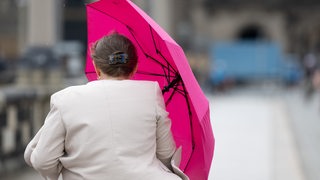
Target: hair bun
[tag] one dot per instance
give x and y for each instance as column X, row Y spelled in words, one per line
column 118, row 58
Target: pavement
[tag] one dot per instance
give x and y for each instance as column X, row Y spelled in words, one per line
column 261, row 134
column 305, row 122
column 254, row 137
column 25, row 173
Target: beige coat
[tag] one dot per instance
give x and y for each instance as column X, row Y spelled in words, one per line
column 105, row 130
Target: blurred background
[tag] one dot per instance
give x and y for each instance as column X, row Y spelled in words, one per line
column 258, row 61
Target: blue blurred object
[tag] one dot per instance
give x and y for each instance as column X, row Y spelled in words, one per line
column 248, row 61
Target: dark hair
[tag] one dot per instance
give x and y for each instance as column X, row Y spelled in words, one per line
column 110, row 45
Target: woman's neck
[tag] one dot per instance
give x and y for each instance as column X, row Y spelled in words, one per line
column 106, row 77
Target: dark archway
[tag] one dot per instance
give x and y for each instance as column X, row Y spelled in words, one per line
column 251, row 32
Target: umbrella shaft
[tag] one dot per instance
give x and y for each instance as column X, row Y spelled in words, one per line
column 175, row 81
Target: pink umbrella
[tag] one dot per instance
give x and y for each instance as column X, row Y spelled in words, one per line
column 160, row 59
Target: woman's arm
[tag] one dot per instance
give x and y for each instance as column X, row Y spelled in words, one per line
column 165, row 142
column 31, row 146
column 45, row 149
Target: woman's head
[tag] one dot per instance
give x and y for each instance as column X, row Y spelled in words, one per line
column 115, row 56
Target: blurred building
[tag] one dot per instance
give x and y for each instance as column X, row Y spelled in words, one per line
column 295, row 25
column 292, row 25
column 26, row 23
column 194, row 24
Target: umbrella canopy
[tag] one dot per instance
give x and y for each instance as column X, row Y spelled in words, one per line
column 161, row 59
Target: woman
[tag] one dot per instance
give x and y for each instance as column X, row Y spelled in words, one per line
column 113, row 128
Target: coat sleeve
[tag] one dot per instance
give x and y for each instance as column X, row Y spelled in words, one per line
column 165, row 142
column 47, row 146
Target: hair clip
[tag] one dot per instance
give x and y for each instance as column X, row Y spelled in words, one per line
column 118, row 58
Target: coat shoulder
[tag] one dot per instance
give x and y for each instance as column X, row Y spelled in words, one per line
column 66, row 92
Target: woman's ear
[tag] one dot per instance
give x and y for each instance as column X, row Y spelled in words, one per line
column 134, row 71
column 98, row 71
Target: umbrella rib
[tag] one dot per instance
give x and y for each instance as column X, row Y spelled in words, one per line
column 134, row 37
column 190, row 118
column 157, row 50
column 187, row 100
column 162, row 65
column 184, row 94
column 180, row 91
column 146, row 54
column 107, row 14
column 151, row 74
column 167, row 74
column 171, row 96
column 175, row 73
